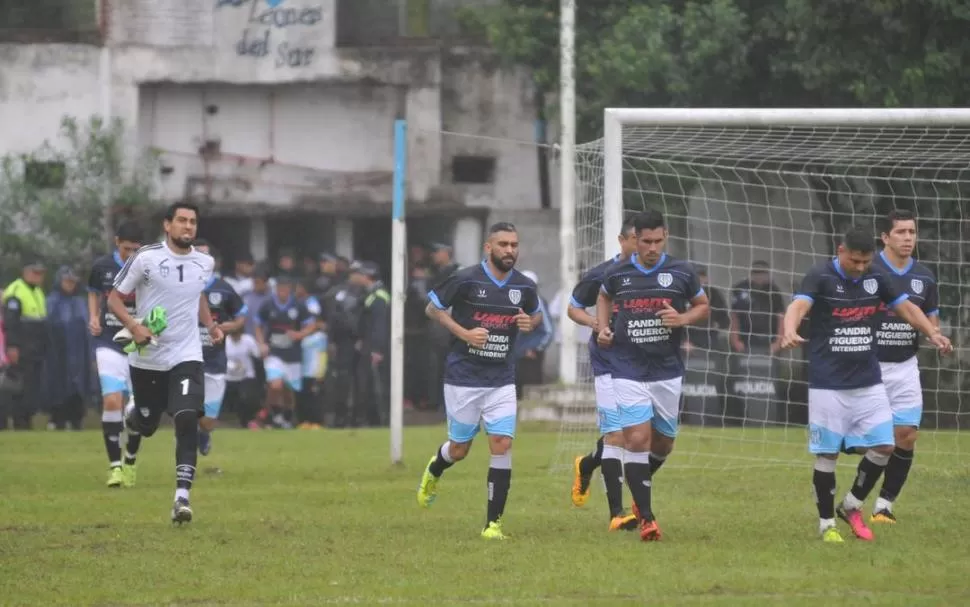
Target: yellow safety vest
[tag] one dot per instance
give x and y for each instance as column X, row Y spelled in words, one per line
column 380, row 293
column 33, row 304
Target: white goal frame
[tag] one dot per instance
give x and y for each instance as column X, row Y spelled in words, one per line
column 614, row 120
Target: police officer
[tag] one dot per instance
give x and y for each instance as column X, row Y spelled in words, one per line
column 25, row 327
column 373, row 367
column 341, row 304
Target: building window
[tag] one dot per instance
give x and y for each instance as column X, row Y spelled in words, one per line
column 473, row 169
column 45, row 175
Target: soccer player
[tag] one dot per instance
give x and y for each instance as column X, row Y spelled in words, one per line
column 490, row 303
column 166, row 371
column 647, row 297
column 283, row 323
column 846, row 398
column 228, row 310
column 111, row 359
column 896, row 346
column 609, row 448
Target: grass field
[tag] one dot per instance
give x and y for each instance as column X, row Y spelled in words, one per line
column 308, row 518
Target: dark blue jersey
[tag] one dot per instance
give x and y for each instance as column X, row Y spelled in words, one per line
column 277, row 318
column 101, row 281
column 225, row 305
column 478, row 299
column 896, row 339
column 585, row 294
column 842, row 324
column 644, row 349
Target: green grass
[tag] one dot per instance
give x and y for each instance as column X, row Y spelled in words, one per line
column 308, row 518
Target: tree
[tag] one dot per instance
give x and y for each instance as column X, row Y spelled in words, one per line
column 54, row 202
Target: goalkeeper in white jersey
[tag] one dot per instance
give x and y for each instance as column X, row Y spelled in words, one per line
column 168, row 279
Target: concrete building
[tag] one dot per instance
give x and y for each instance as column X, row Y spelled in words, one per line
column 277, row 116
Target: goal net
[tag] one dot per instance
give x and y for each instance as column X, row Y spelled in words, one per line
column 754, row 198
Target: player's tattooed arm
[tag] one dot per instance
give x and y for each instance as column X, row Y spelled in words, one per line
column 475, row 337
column 205, row 317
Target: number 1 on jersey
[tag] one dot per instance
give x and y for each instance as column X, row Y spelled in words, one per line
column 185, row 386
column 180, row 268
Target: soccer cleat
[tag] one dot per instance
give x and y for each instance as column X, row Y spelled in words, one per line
column 580, row 492
column 831, row 535
column 205, row 442
column 494, row 531
column 129, row 474
column 883, row 516
column 854, row 519
column 116, row 477
column 649, row 531
column 181, row 511
column 626, row 522
column 428, row 489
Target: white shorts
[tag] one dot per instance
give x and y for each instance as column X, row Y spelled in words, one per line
column 467, row 407
column 609, row 415
column 904, row 391
column 113, row 371
column 639, row 402
column 860, row 417
column 215, row 391
column 290, row 373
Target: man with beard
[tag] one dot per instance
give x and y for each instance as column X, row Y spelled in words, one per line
column 490, row 302
column 166, row 371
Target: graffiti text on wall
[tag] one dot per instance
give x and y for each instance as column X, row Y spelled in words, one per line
column 266, row 19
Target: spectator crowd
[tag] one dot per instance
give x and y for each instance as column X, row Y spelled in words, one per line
column 47, row 363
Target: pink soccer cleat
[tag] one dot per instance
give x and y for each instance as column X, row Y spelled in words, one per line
column 856, row 522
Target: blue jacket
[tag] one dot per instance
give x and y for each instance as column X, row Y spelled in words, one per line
column 539, row 338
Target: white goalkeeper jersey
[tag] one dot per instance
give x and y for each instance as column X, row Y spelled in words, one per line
column 161, row 277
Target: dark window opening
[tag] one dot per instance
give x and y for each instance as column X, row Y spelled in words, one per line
column 473, row 169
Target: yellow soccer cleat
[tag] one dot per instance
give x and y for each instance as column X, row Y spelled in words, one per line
column 493, row 531
column 428, row 489
column 129, row 473
column 580, row 492
column 627, row 522
column 883, row 516
column 832, row 536
column 116, row 477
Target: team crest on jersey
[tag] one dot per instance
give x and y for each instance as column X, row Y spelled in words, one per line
column 163, row 268
column 870, row 285
column 515, row 296
column 916, row 285
column 109, row 275
column 215, row 299
column 665, row 279
column 292, row 313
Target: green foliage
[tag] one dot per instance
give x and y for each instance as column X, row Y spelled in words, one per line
column 734, row 53
column 56, row 202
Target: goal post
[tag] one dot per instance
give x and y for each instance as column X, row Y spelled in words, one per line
column 775, row 188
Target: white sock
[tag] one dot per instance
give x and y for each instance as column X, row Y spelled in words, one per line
column 825, row 523
column 882, row 504
column 445, row 452
column 181, row 494
column 851, row 502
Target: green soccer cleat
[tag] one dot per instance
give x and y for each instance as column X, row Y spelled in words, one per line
column 832, row 536
column 493, row 531
column 116, row 477
column 428, row 489
column 128, row 474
